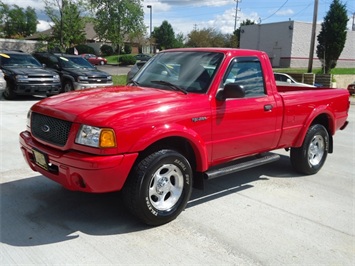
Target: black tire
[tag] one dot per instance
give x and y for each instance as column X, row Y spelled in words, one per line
column 102, row 63
column 158, row 187
column 310, row 157
column 68, row 86
column 9, row 93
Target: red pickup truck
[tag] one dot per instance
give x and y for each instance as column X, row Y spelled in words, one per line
column 186, row 116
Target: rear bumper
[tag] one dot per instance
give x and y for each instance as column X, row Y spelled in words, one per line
column 79, row 171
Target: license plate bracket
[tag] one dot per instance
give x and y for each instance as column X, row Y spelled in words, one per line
column 41, row 159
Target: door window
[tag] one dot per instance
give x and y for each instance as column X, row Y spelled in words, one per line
column 247, row 73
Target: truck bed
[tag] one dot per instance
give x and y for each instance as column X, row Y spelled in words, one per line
column 301, row 103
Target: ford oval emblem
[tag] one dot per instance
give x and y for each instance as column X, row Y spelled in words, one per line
column 45, row 128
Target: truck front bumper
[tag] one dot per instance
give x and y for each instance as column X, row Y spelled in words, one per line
column 76, row 170
column 81, row 86
column 32, row 89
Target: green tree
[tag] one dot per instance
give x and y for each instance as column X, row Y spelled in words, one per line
column 207, row 37
column 31, row 21
column 119, row 20
column 15, row 22
column 332, row 37
column 68, row 25
column 179, row 40
column 164, row 36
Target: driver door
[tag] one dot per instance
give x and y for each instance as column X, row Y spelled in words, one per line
column 244, row 126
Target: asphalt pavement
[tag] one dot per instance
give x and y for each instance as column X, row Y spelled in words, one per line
column 268, row 215
column 115, row 69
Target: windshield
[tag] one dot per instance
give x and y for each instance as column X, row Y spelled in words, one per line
column 75, row 62
column 188, row 71
column 19, row 60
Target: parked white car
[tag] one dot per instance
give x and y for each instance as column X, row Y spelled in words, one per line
column 283, row 79
column 2, row 82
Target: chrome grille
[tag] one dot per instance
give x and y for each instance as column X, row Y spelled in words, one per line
column 102, row 79
column 50, row 129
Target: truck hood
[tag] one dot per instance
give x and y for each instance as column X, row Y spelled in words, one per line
column 87, row 72
column 103, row 106
column 29, row 71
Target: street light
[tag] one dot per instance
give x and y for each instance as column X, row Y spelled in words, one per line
column 150, row 37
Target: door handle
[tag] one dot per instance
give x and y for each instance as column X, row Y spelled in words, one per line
column 268, row 107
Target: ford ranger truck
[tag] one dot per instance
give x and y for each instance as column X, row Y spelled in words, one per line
column 188, row 115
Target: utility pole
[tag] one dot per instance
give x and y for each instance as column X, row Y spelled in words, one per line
column 150, row 36
column 313, row 36
column 236, row 13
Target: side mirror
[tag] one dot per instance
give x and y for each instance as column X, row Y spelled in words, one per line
column 230, row 90
column 288, row 81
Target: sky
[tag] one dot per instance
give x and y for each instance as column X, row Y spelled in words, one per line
column 186, row 15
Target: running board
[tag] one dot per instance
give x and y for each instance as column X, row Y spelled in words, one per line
column 242, row 164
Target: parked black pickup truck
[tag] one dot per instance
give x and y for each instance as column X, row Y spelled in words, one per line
column 24, row 75
column 75, row 72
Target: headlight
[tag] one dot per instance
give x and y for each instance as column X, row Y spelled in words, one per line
column 96, row 137
column 56, row 78
column 109, row 77
column 83, row 79
column 22, row 78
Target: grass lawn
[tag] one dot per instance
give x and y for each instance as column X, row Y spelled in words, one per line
column 112, row 59
column 119, row 79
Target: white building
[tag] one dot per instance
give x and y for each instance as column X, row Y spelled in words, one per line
column 288, row 43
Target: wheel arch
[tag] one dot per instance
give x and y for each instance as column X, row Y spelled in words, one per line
column 325, row 119
column 65, row 78
column 193, row 153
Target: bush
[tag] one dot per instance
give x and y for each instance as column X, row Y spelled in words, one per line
column 127, row 49
column 127, row 60
column 106, row 50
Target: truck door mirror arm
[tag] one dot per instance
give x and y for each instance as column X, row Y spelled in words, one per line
column 230, row 90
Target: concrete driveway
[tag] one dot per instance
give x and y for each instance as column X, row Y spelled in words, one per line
column 269, row 215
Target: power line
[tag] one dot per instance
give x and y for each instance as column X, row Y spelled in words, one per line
column 275, row 11
column 295, row 15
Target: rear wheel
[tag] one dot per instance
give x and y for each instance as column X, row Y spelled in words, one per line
column 159, row 187
column 310, row 157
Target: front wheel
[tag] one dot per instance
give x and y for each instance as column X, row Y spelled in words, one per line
column 68, row 86
column 9, row 93
column 310, row 157
column 159, row 187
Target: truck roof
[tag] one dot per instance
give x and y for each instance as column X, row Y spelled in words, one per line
column 218, row 49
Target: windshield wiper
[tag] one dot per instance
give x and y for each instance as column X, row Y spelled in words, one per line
column 171, row 85
column 134, row 83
